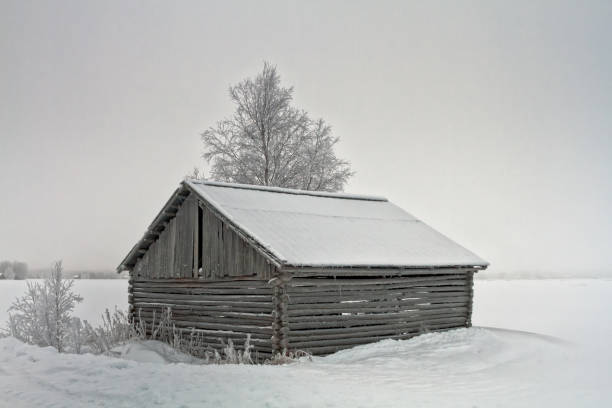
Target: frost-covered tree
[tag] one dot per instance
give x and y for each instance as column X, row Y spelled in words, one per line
column 43, row 315
column 269, row 142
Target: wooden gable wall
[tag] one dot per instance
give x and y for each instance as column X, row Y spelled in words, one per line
column 227, row 254
column 196, row 243
column 171, row 255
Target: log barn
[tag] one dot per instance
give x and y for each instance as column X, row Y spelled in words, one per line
column 297, row 270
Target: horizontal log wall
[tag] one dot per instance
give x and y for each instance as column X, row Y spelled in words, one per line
column 219, row 310
column 326, row 314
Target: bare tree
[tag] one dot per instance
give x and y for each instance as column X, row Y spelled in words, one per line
column 269, row 142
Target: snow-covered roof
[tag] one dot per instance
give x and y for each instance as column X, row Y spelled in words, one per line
column 305, row 228
column 296, row 228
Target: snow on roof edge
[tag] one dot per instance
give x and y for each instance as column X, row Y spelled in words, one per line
column 273, row 255
column 284, row 262
column 289, row 190
column 415, row 265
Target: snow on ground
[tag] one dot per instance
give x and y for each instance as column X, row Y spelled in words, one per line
column 480, row 367
column 153, row 351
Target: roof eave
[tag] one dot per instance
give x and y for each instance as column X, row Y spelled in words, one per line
column 165, row 215
column 478, row 266
column 150, row 234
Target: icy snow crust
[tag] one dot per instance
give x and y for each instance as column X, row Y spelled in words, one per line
column 322, row 229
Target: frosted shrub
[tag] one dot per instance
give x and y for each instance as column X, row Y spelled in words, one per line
column 192, row 341
column 43, row 315
column 116, row 329
column 231, row 356
column 288, row 357
column 75, row 335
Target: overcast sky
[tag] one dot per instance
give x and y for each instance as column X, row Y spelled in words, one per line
column 492, row 122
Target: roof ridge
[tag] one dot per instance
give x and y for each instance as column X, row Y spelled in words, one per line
column 282, row 190
column 413, row 219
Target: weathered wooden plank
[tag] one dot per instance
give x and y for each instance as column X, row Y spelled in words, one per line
column 428, row 279
column 429, row 297
column 196, row 242
column 159, row 250
column 208, row 308
column 315, row 313
column 226, row 298
column 227, row 251
column 220, row 310
column 205, row 310
column 221, row 271
column 206, row 265
column 436, row 286
column 147, row 265
column 353, row 272
column 218, row 306
column 359, row 330
column 470, row 279
column 327, row 347
column 189, row 223
column 219, row 326
column 176, row 249
column 375, row 318
column 359, row 321
column 229, row 320
column 208, row 316
column 161, row 257
column 386, row 331
column 184, row 310
column 162, row 245
column 208, row 291
column 307, row 344
column 171, row 248
column 242, row 281
column 420, row 313
column 184, row 240
column 381, row 292
column 201, row 301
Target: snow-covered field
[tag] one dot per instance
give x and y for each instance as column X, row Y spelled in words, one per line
column 480, row 367
column 98, row 294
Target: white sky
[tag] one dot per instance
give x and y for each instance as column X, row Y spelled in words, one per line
column 492, row 122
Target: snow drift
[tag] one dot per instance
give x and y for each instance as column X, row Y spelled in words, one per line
column 464, row 367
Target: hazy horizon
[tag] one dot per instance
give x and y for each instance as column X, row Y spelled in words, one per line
column 491, row 122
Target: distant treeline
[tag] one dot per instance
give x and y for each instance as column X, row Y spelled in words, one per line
column 19, row 270
column 13, row 270
column 76, row 274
